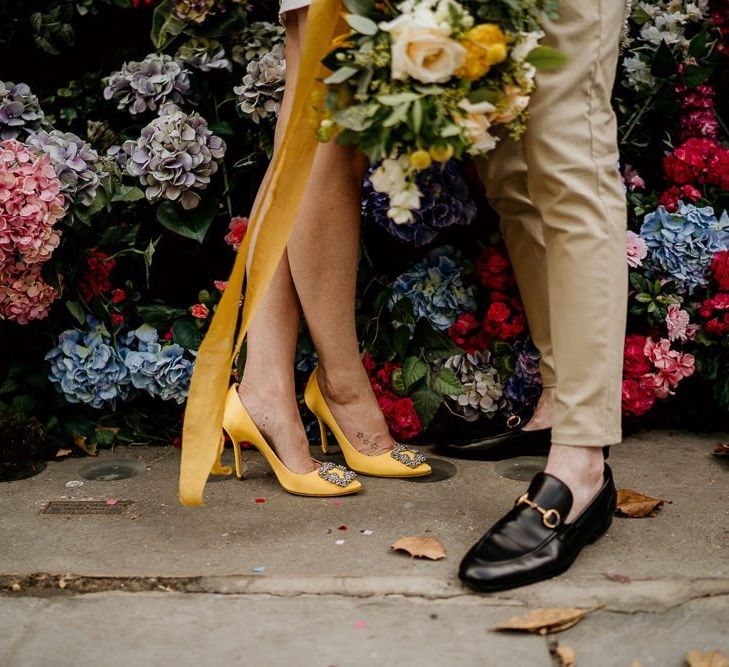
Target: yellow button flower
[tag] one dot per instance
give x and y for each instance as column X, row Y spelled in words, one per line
column 485, row 46
column 441, row 153
column 420, row 160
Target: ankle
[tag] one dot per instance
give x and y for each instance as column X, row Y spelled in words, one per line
column 576, row 466
column 542, row 416
column 342, row 386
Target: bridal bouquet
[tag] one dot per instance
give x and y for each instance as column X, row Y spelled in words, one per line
column 423, row 81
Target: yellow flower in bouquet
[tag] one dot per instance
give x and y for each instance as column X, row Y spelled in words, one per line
column 485, row 46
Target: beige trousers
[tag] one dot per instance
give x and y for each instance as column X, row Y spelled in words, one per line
column 562, row 208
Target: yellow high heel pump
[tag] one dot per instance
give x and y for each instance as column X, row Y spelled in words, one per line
column 328, row 480
column 402, row 461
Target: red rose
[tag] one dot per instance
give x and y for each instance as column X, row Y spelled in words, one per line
column 494, row 269
column 118, row 295
column 498, row 312
column 117, row 319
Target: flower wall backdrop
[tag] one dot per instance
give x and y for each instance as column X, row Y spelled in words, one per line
column 134, row 133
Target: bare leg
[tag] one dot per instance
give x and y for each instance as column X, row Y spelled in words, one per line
column 267, row 387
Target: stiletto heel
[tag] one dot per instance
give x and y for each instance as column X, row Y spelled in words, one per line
column 400, row 462
column 328, row 480
column 238, row 462
column 323, row 431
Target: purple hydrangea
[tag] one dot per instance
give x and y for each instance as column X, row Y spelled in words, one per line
column 525, row 386
column 446, row 201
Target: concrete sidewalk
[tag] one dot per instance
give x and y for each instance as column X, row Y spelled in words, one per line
column 295, row 579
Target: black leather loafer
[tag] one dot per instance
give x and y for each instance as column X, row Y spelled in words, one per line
column 507, row 445
column 531, row 542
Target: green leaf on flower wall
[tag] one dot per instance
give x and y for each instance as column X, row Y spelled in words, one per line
column 186, row 334
column 74, row 307
column 159, row 315
column 426, row 402
column 361, row 24
column 192, row 224
column 127, row 193
column 341, row 75
column 447, row 383
column 545, row 57
column 413, row 369
column 165, row 25
column 361, row 7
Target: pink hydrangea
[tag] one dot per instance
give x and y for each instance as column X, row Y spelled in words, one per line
column 30, row 204
column 236, row 232
column 677, row 323
column 636, row 248
column 24, row 295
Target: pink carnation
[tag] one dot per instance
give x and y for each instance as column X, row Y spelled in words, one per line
column 636, row 249
column 24, row 295
column 199, row 311
column 220, row 285
column 236, row 232
column 677, row 323
column 30, row 204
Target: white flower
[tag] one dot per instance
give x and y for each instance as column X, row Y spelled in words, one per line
column 525, row 42
column 403, row 203
column 389, row 177
column 476, row 124
column 638, row 71
column 422, row 47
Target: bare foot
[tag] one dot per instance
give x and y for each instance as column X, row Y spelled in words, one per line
column 581, row 469
column 353, row 404
column 277, row 417
column 542, row 417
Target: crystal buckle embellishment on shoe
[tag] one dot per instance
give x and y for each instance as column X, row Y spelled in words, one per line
column 402, row 453
column 551, row 517
column 327, row 472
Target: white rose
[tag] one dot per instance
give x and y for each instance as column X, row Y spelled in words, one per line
column 476, row 123
column 403, row 203
column 422, row 49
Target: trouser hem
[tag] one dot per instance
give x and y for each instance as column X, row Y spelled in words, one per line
column 576, row 440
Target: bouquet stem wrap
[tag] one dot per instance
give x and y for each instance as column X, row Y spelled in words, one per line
column 259, row 255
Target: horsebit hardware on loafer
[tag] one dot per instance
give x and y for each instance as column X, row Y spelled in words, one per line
column 550, row 518
column 401, row 453
column 329, row 472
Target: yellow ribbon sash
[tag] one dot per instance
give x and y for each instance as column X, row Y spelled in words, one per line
column 270, row 225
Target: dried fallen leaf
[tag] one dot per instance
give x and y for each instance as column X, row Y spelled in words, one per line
column 422, row 546
column 15, row 587
column 80, row 442
column 62, row 452
column 721, row 449
column 696, row 658
column 562, row 655
column 636, row 506
column 545, row 621
column 620, row 578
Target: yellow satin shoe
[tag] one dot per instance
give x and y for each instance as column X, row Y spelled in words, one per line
column 400, row 462
column 328, row 480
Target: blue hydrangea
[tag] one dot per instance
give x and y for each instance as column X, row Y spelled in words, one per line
column 160, row 370
column 436, row 288
column 525, row 386
column 681, row 245
column 446, row 201
column 86, row 367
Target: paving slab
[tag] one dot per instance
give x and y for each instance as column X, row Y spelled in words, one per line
column 117, row 630
column 295, row 539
